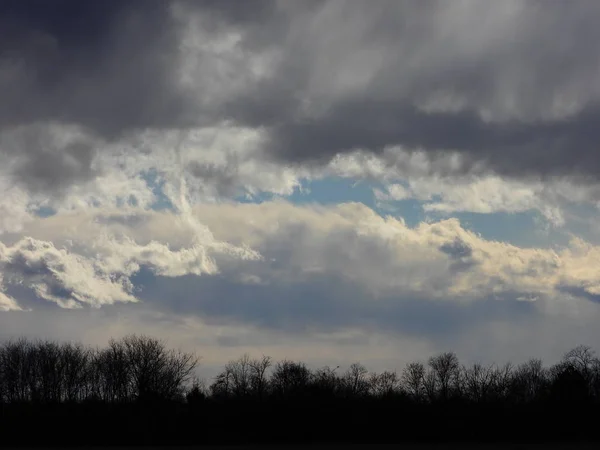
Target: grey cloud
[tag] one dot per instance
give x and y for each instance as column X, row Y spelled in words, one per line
column 107, row 69
column 533, row 71
column 321, row 303
column 513, row 87
column 581, row 292
column 223, row 178
column 104, row 68
column 108, row 66
column 565, row 146
column 457, row 249
column 54, row 275
column 49, row 159
column 460, row 253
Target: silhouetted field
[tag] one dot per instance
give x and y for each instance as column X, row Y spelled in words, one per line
column 138, row 392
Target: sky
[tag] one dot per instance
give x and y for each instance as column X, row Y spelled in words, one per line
column 328, row 181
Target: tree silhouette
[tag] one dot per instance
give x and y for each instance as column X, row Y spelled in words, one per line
column 446, row 375
column 413, row 380
column 290, row 379
column 385, row 384
column 355, row 381
column 138, row 387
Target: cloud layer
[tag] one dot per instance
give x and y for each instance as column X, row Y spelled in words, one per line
column 153, row 154
column 511, row 88
column 277, row 244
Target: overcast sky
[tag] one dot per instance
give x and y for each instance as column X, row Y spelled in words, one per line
column 329, row 181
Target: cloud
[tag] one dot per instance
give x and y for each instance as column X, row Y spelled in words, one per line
column 381, row 257
column 334, row 271
column 46, row 157
column 8, row 303
column 97, row 272
column 89, row 66
column 73, row 77
column 131, row 130
column 499, row 86
column 14, row 212
column 357, row 76
column 486, row 195
column 59, row 276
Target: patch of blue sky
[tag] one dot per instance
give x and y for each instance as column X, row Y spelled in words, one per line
column 43, row 211
column 524, row 229
column 583, row 220
column 333, row 191
column 155, row 183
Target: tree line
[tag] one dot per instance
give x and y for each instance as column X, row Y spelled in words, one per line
column 135, row 368
column 137, row 381
column 442, row 379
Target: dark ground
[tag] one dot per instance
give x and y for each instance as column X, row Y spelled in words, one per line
column 453, row 446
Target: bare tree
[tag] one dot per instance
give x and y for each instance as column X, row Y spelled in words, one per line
column 290, row 378
column 15, row 370
column 446, row 369
column 356, row 381
column 595, row 380
column 258, row 375
column 325, row 381
column 47, row 370
column 478, row 382
column 430, row 385
column 413, row 380
column 529, row 381
column 501, row 381
column 384, row 384
column 112, row 373
column 76, row 361
column 235, row 379
column 156, row 372
column 197, row 392
column 243, row 377
column 583, row 359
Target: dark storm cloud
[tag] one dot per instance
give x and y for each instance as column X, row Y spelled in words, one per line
column 106, row 65
column 512, row 86
column 44, row 162
column 553, row 148
column 526, row 84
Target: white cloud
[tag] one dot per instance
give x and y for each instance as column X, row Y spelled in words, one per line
column 278, row 265
column 14, row 208
column 485, row 195
column 436, row 260
column 277, row 242
column 395, row 192
column 220, row 163
column 8, row 303
column 96, row 271
column 57, row 275
column 206, row 234
column 441, row 186
column 341, row 276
